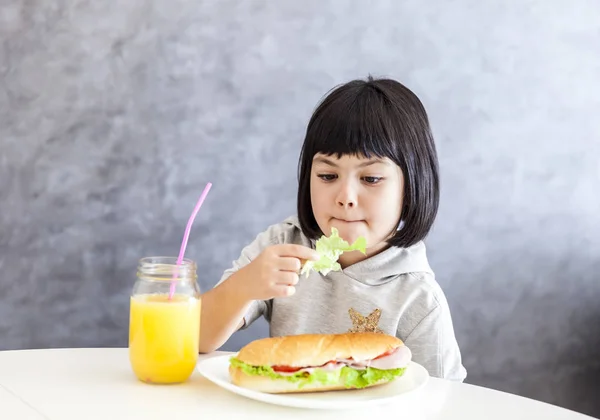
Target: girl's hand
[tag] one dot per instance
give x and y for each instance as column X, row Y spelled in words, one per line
column 275, row 272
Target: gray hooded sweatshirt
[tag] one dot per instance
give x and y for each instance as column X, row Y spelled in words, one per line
column 393, row 292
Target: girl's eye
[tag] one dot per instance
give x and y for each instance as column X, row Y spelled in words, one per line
column 327, row 177
column 372, row 179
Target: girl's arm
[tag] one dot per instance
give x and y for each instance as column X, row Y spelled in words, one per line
column 223, row 310
column 273, row 274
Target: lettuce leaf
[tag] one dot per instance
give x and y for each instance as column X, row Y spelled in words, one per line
column 330, row 248
column 352, row 378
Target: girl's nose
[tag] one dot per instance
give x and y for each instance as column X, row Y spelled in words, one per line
column 346, row 204
column 346, row 198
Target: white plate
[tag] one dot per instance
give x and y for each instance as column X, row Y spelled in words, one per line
column 216, row 370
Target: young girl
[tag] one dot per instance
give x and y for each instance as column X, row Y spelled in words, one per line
column 368, row 168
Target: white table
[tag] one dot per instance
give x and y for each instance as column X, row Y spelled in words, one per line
column 65, row 384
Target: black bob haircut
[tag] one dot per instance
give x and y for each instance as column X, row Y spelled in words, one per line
column 376, row 118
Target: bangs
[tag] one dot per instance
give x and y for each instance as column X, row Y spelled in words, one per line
column 354, row 122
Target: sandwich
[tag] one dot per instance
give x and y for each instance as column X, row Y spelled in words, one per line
column 319, row 362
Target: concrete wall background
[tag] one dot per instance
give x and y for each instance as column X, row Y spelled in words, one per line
column 113, row 116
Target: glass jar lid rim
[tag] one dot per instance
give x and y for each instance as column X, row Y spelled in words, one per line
column 166, row 266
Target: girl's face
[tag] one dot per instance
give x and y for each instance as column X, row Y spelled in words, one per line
column 359, row 197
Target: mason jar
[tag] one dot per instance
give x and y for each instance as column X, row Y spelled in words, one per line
column 164, row 320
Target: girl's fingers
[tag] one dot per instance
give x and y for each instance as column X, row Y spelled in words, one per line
column 289, row 264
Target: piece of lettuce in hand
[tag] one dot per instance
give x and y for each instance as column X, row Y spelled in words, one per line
column 329, row 249
column 352, row 378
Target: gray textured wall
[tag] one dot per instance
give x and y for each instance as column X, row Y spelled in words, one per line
column 114, row 115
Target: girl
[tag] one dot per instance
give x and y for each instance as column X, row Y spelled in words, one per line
column 368, row 168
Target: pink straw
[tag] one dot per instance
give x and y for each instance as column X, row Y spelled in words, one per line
column 187, row 235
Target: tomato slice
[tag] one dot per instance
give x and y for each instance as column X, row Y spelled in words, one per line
column 387, row 353
column 288, row 369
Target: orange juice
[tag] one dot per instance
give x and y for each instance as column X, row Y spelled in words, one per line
column 163, row 337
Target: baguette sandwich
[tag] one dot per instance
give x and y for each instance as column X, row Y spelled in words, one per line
column 319, row 362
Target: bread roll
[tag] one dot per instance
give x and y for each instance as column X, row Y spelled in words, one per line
column 316, row 349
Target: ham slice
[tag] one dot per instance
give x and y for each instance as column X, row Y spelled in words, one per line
column 328, row 366
column 399, row 358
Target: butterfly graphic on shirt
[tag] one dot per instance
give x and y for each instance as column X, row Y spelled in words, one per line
column 362, row 323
